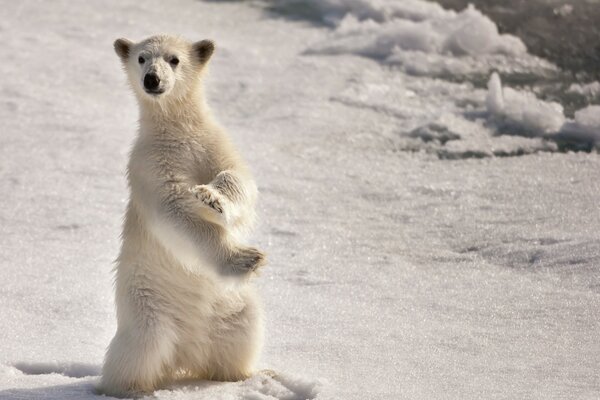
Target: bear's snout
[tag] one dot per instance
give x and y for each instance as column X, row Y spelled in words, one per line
column 151, row 81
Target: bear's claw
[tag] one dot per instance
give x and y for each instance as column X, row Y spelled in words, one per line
column 207, row 195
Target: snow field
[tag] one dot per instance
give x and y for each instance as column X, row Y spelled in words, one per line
column 410, row 256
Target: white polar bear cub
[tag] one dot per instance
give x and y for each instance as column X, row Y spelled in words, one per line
column 192, row 198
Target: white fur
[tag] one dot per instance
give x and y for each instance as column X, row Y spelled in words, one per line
column 177, row 315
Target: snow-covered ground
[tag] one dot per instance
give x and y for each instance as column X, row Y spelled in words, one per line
column 426, row 238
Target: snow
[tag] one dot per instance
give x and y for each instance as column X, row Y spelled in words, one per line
column 421, row 245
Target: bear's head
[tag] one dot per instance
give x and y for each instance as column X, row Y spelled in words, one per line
column 163, row 67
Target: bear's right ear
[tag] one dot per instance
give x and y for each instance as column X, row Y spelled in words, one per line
column 203, row 50
column 122, row 47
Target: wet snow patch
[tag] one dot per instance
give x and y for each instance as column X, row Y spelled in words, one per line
column 469, row 135
column 454, row 137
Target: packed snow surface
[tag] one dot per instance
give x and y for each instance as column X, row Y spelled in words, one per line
column 412, row 254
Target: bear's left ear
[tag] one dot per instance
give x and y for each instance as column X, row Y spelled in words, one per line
column 203, row 50
column 122, row 47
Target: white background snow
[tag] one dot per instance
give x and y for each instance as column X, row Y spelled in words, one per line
column 426, row 239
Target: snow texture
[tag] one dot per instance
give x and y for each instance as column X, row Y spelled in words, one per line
column 412, row 256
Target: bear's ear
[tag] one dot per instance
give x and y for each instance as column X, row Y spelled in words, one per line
column 122, row 47
column 203, row 50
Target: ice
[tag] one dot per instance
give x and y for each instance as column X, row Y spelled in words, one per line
column 420, row 245
column 522, row 110
column 473, row 33
column 495, row 97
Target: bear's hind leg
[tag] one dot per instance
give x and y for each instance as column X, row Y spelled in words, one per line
column 137, row 361
column 236, row 343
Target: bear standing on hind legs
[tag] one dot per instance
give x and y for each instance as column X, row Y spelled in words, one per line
column 185, row 307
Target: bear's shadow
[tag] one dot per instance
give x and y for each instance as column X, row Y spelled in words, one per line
column 84, row 388
column 78, row 390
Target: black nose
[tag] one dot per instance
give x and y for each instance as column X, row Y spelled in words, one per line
column 151, row 81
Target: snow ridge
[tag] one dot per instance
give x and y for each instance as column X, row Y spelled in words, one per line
column 420, row 37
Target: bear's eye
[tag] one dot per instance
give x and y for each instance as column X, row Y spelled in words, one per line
column 141, row 60
column 174, row 61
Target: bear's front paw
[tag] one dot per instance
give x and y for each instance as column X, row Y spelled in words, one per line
column 247, row 259
column 209, row 197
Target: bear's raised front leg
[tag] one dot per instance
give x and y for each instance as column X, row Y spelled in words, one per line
column 212, row 199
column 221, row 202
column 243, row 260
column 229, row 196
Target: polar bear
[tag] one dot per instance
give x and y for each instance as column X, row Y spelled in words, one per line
column 185, row 307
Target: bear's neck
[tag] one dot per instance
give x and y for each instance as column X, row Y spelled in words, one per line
column 189, row 111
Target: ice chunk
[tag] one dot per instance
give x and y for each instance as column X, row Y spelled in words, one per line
column 473, row 33
column 527, row 115
column 495, row 99
column 523, row 110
